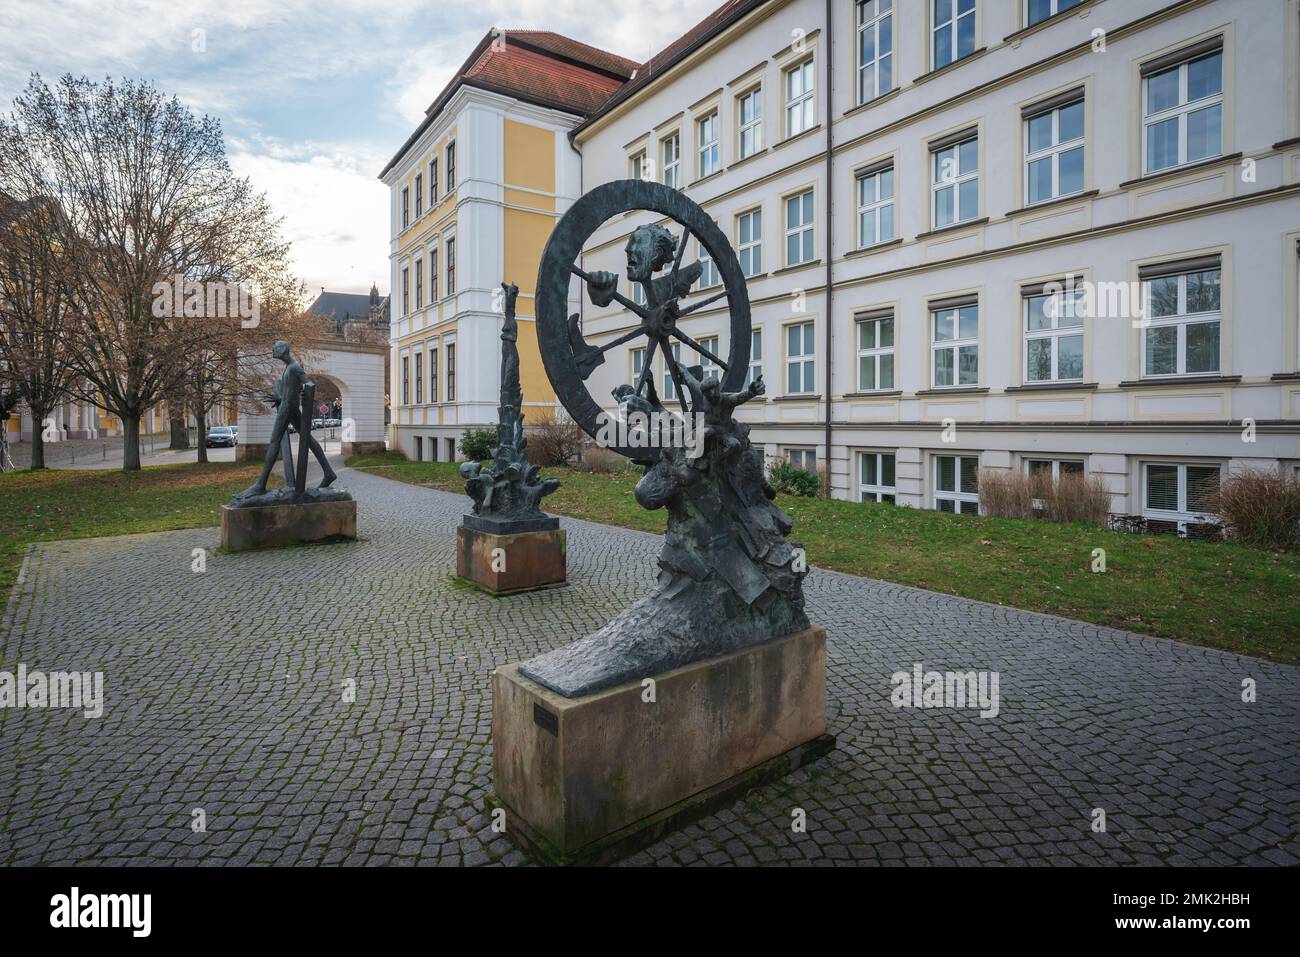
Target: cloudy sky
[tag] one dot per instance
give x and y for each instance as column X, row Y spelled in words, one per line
column 314, row 95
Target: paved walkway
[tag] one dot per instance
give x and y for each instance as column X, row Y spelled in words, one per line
column 214, row 703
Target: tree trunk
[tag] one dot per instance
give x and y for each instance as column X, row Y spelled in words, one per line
column 130, row 443
column 38, row 436
column 180, row 434
column 202, row 421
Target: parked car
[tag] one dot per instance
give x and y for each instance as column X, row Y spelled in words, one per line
column 317, row 423
column 332, row 423
column 221, row 436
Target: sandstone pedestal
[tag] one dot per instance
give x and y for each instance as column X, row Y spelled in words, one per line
column 590, row 779
column 271, row 526
column 508, row 557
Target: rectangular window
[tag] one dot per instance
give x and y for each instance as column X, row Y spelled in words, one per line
column 1054, row 153
column 799, row 245
column 1054, row 467
column 755, row 356
column 1053, row 335
column 433, row 274
column 406, row 380
column 433, row 182
column 636, row 166
column 670, row 150
column 1182, row 110
column 800, row 361
column 955, row 182
column 419, row 378
column 956, row 484
column 875, row 48
column 670, row 387
column 451, row 165
column 800, row 105
column 708, row 368
column 876, row 354
column 419, row 283
column 953, row 30
column 406, row 291
column 709, row 274
column 749, row 248
column 1039, row 10
column 638, row 293
column 433, row 375
column 451, row 265
column 419, row 195
column 406, row 207
column 707, row 136
column 451, row 372
column 876, row 206
column 1180, row 334
column 1179, row 493
column 954, row 340
column 750, row 114
column 876, row 477
column 638, row 363
column 805, row 459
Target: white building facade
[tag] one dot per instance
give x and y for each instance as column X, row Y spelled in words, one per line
column 989, row 234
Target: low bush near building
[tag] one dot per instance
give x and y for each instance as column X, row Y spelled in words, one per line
column 553, row 438
column 477, row 444
column 1261, row 509
column 1070, row 498
column 792, row 480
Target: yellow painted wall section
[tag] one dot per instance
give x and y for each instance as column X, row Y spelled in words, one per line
column 530, row 156
column 526, row 236
column 519, row 197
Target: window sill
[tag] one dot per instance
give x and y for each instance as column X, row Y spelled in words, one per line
column 750, row 158
column 1053, row 203
column 1180, row 380
column 704, row 179
column 870, row 103
column 868, row 250
column 943, row 230
column 1284, row 376
column 1178, row 170
column 948, row 67
column 1047, row 22
column 1052, row 387
column 796, row 137
column 811, row 397
column 1287, row 144
column 875, row 393
column 955, row 390
column 795, row 268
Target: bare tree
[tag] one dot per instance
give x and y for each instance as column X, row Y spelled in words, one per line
column 37, row 316
column 151, row 208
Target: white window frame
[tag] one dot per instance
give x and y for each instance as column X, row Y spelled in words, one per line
column 1181, row 111
column 406, row 290
column 709, row 275
column 636, row 166
column 876, row 352
column 406, row 206
column 801, row 105
column 671, row 161
column 804, row 454
column 418, row 265
column 939, row 182
column 417, row 363
column 877, row 492
column 951, row 25
column 1055, row 465
column 1053, row 152
column 753, row 127
column 1054, row 332
column 708, row 368
column 875, row 204
column 708, row 152
column 419, row 195
column 1182, row 515
column 755, row 356
column 801, row 228
column 1057, row 6
column 636, row 359
column 880, row 22
column 954, row 344
column 750, row 250
column 670, row 388
column 805, row 360
column 956, row 497
column 1181, row 320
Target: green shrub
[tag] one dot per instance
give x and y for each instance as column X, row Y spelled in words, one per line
column 477, row 444
column 792, row 480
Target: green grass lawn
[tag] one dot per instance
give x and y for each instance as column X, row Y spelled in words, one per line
column 65, row 503
column 1217, row 595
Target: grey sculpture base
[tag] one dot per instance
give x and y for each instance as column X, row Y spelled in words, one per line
column 583, row 779
column 274, row 526
column 284, row 495
column 509, row 526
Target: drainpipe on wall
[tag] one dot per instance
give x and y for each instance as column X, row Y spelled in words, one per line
column 830, row 236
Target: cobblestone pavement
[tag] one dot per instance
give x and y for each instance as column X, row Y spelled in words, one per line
column 211, row 705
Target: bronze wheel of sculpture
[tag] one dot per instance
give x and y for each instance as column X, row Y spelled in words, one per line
column 569, row 360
